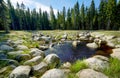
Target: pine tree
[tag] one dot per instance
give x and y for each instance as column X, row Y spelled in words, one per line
column 52, row 18
column 69, row 22
column 110, row 12
column 4, row 16
column 82, row 14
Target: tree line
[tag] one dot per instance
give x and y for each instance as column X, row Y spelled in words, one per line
column 105, row 17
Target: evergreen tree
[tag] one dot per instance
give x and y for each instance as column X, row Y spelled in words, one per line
column 52, row 18
column 110, row 12
column 82, row 14
column 69, row 22
column 4, row 16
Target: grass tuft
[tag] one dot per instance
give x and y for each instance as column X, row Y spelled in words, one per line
column 77, row 66
column 113, row 71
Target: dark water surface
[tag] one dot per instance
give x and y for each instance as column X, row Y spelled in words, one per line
column 68, row 53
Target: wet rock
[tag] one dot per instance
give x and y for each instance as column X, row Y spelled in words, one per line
column 40, row 69
column 36, row 52
column 54, row 73
column 21, row 72
column 6, row 48
column 22, row 47
column 34, row 61
column 52, row 60
column 90, row 73
column 116, row 53
column 75, row 44
column 97, row 63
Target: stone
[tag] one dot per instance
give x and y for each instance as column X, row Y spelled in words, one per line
column 3, row 56
column 22, row 47
column 52, row 60
column 40, row 68
column 34, row 61
column 13, row 54
column 92, row 46
column 75, row 44
column 90, row 73
column 66, row 65
column 43, row 47
column 97, row 62
column 21, row 72
column 116, row 53
column 36, row 52
column 110, row 37
column 23, row 57
column 54, row 73
column 6, row 48
column 111, row 44
column 10, row 62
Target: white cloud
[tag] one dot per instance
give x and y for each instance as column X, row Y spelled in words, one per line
column 33, row 4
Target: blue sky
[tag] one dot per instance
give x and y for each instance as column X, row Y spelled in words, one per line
column 56, row 4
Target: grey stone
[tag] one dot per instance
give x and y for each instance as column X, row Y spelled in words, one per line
column 34, row 61
column 90, row 73
column 40, row 69
column 92, row 45
column 22, row 47
column 97, row 63
column 52, row 60
column 36, row 52
column 20, row 72
column 116, row 53
column 23, row 57
column 6, row 48
column 54, row 73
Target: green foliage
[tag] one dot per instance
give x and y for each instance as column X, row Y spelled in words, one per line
column 72, row 75
column 113, row 71
column 77, row 66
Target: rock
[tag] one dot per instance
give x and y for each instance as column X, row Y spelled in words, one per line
column 34, row 61
column 117, row 46
column 90, row 73
column 10, row 62
column 66, row 65
column 40, row 69
column 43, row 47
column 22, row 47
column 116, row 53
column 20, row 72
column 6, row 48
column 75, row 44
column 23, row 57
column 110, row 44
column 110, row 37
column 92, row 46
column 18, row 42
column 3, row 56
column 97, row 63
column 13, row 54
column 54, row 73
column 36, row 52
column 46, row 38
column 52, row 60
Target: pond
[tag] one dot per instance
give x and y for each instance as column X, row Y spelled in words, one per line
column 68, row 53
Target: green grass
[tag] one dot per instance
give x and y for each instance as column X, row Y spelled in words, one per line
column 114, row 69
column 72, row 75
column 77, row 66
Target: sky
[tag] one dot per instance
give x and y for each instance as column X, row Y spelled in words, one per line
column 56, row 4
